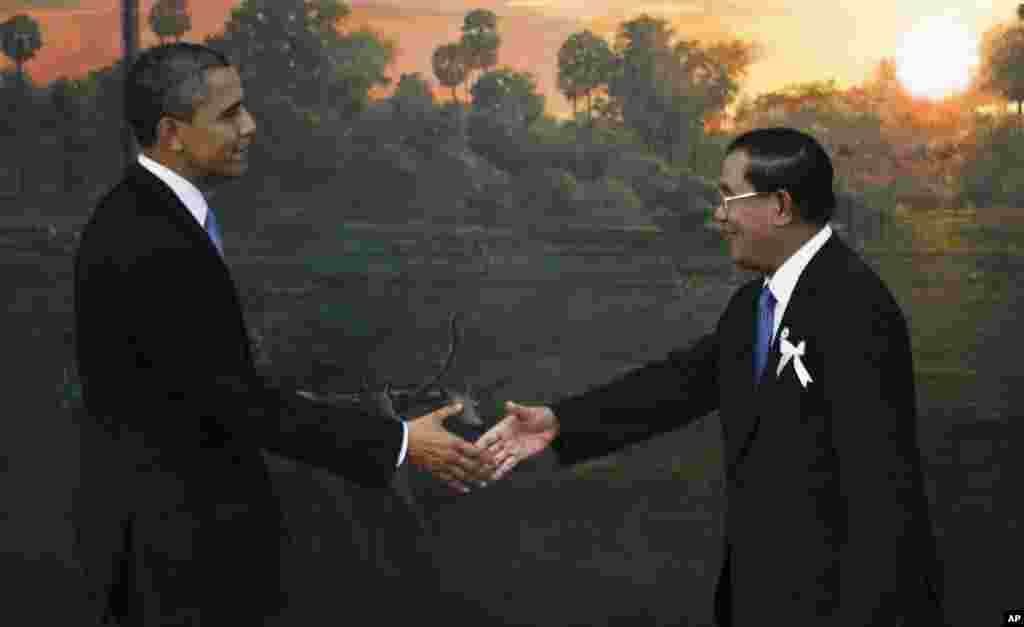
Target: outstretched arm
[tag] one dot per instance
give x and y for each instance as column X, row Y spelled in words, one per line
column 641, row 404
column 192, row 373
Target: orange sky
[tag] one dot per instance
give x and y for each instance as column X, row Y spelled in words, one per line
column 804, row 39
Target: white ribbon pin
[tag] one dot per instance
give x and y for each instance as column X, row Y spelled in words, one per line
column 795, row 353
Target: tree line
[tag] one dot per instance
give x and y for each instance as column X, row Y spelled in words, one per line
column 647, row 112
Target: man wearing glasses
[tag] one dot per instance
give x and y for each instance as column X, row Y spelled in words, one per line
column 810, row 368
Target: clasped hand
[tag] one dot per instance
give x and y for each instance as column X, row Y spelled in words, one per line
column 446, row 456
column 524, row 432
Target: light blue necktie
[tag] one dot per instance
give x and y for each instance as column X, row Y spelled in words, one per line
column 765, row 324
column 214, row 230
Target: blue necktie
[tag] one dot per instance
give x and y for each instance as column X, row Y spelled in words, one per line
column 765, row 324
column 214, row 230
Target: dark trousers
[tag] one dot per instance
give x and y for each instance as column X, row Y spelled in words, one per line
column 723, row 593
column 148, row 593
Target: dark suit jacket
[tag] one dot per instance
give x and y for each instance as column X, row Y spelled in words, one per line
column 828, row 522
column 175, row 514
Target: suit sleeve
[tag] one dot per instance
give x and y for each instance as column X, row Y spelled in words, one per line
column 869, row 384
column 645, row 402
column 189, row 373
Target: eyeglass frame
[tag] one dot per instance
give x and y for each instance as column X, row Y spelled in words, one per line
column 724, row 203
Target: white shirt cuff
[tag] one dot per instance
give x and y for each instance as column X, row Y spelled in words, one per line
column 405, row 443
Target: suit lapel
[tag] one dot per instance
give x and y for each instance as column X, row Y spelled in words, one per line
column 169, row 202
column 799, row 318
column 816, row 277
column 739, row 398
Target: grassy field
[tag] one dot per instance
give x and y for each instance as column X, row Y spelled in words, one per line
column 959, row 288
column 553, row 310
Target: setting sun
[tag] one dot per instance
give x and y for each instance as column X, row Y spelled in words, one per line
column 936, row 57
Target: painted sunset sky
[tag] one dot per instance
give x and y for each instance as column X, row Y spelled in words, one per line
column 803, row 40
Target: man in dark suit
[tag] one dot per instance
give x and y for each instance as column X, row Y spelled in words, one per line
column 175, row 518
column 811, row 371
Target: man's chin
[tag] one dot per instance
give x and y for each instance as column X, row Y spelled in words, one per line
column 730, row 249
column 742, row 263
column 229, row 173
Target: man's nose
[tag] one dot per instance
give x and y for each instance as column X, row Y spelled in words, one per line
column 719, row 214
column 248, row 125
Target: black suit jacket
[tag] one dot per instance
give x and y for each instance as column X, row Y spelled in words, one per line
column 175, row 513
column 828, row 521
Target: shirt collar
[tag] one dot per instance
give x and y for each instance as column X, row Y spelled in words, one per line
column 187, row 193
column 783, row 282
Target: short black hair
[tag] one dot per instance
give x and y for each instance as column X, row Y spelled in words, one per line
column 167, row 80
column 785, row 158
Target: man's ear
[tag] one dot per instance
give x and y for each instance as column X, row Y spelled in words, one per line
column 786, row 213
column 168, row 134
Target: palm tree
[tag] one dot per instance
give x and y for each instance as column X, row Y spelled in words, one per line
column 130, row 43
column 450, row 67
column 480, row 40
column 584, row 65
column 170, row 19
column 21, row 38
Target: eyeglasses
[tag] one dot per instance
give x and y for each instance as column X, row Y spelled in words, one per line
column 724, row 200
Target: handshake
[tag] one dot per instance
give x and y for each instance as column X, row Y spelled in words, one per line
column 524, row 432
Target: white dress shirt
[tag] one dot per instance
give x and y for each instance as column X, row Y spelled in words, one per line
column 195, row 202
column 783, row 282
